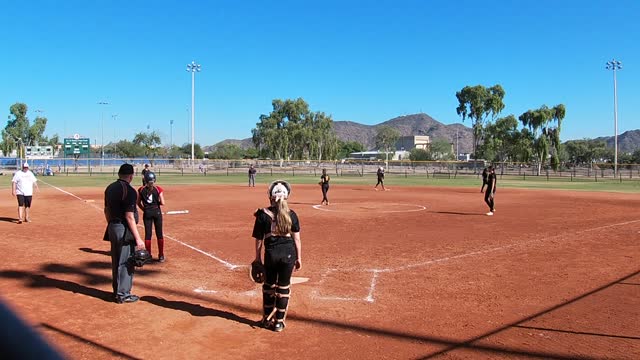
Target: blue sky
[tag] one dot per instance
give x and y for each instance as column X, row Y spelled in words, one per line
column 362, row 61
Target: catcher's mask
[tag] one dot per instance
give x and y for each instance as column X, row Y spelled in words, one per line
column 140, row 257
column 256, row 273
column 279, row 189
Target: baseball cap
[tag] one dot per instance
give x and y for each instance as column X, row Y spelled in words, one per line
column 125, row 169
column 25, row 165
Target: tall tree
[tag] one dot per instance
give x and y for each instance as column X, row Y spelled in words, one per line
column 347, row 147
column 150, row 142
column 499, row 137
column 386, row 139
column 440, row 149
column 291, row 130
column 545, row 124
column 19, row 131
column 478, row 103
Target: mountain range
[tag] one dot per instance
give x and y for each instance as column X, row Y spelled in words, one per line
column 423, row 124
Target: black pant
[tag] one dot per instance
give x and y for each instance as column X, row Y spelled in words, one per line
column 152, row 217
column 279, row 261
column 488, row 197
column 325, row 189
column 122, row 248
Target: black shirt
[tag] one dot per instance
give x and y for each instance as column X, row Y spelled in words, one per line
column 120, row 198
column 490, row 178
column 380, row 174
column 252, row 171
column 485, row 175
column 262, row 226
column 324, row 179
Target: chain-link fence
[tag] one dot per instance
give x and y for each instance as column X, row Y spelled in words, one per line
column 406, row 168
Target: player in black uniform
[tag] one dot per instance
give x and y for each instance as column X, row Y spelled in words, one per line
column 380, row 174
column 491, row 190
column 121, row 215
column 144, row 172
column 278, row 229
column 324, row 184
column 485, row 174
column 150, row 199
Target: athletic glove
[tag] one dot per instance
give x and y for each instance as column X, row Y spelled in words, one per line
column 257, row 272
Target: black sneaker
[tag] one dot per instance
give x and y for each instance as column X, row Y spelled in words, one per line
column 127, row 299
column 161, row 258
column 278, row 327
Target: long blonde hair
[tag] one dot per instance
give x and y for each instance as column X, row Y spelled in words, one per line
column 283, row 218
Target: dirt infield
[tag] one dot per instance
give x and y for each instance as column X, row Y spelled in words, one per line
column 411, row 273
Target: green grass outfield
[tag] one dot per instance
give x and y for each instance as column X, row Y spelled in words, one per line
column 391, row 180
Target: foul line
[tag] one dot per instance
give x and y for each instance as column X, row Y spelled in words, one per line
column 375, row 272
column 223, row 262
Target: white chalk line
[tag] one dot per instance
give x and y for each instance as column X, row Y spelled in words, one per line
column 227, row 264
column 375, row 272
column 329, row 209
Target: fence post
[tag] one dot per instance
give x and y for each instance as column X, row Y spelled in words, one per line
column 272, row 171
column 293, row 171
column 405, row 173
column 182, row 171
column 547, row 174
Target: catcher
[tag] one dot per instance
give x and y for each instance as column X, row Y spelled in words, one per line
column 278, row 229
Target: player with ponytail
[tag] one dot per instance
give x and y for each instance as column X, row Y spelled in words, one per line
column 277, row 229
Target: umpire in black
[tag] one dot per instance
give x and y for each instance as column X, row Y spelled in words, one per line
column 121, row 214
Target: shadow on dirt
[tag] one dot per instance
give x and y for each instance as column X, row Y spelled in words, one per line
column 197, row 310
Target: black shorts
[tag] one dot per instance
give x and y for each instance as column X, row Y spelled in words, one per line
column 24, row 200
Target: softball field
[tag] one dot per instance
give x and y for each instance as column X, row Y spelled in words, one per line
column 411, row 273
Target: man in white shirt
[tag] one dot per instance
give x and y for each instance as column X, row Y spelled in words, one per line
column 22, row 187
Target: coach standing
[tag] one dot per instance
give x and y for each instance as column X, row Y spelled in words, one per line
column 22, row 186
column 120, row 212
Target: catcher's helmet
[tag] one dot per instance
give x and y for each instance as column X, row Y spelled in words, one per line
column 149, row 177
column 140, row 257
column 279, row 188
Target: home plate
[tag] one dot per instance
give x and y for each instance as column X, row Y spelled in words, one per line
column 298, row 280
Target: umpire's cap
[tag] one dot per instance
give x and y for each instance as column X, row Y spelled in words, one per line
column 279, row 189
column 125, row 169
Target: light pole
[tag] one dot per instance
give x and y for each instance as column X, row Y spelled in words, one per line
column 102, row 133
column 615, row 65
column 193, row 68
column 114, row 118
column 171, row 134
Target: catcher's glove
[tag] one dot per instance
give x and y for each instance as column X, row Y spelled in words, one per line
column 140, row 257
column 257, row 272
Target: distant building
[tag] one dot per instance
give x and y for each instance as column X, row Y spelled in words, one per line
column 408, row 143
column 374, row 155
